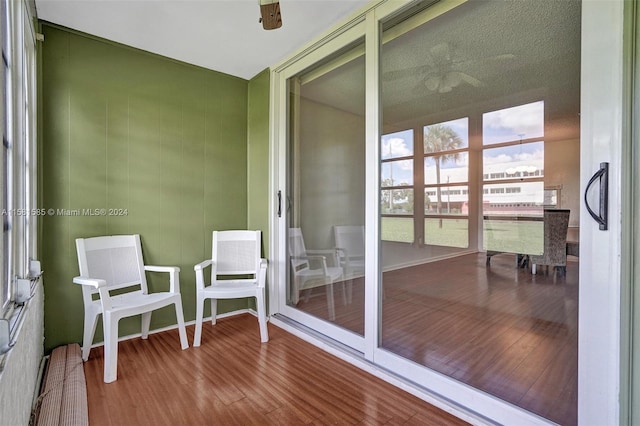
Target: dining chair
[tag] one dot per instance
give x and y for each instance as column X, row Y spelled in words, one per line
column 556, row 224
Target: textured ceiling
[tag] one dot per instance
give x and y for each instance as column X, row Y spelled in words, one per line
column 222, row 35
column 516, row 50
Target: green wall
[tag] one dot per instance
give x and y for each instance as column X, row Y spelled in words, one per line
column 124, row 129
column 258, row 156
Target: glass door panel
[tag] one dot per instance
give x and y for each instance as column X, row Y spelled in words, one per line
column 325, row 222
column 478, row 156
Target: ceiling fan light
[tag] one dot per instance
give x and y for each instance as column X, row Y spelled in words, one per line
column 432, row 83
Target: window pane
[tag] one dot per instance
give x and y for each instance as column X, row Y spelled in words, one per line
column 513, row 199
column 452, row 168
column 398, row 229
column 395, row 145
column 452, row 200
column 519, row 161
column 512, row 124
column 446, row 136
column 397, row 173
column 447, row 232
column 514, row 236
column 396, row 201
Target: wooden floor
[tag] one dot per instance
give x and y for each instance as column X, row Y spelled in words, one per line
column 232, row 379
column 499, row 328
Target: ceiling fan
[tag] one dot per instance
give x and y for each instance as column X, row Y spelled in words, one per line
column 443, row 72
column 270, row 14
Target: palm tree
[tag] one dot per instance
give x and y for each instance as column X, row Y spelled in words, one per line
column 439, row 138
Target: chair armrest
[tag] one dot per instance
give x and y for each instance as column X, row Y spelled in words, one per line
column 93, row 282
column 155, row 268
column 322, row 260
column 99, row 284
column 262, row 273
column 199, row 268
column 327, row 253
column 174, row 275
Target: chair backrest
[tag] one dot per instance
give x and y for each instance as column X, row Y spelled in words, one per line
column 236, row 252
column 297, row 249
column 117, row 259
column 351, row 239
column 556, row 224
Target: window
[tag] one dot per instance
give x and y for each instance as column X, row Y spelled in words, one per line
column 17, row 174
column 429, row 202
column 397, row 186
column 513, row 155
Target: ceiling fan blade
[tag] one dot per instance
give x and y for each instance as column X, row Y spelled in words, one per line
column 467, row 78
column 405, row 72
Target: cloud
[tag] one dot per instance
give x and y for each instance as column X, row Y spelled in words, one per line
column 527, row 120
column 395, row 147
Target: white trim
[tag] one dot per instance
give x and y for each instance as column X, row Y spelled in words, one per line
column 601, row 129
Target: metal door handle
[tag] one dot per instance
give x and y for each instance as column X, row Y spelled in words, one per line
column 602, row 216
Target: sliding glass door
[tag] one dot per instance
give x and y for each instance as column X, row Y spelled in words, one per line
column 325, row 194
column 478, row 120
column 432, row 166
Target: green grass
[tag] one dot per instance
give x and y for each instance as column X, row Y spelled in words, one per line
column 499, row 235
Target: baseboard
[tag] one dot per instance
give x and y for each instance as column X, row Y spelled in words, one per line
column 429, row 260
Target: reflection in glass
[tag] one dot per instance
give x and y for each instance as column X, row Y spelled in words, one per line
column 397, row 173
column 398, row 229
column 447, row 232
column 453, row 200
column 492, row 102
column 327, row 187
column 515, row 123
column 399, row 144
column 519, row 161
column 446, row 136
column 451, row 168
column 396, row 201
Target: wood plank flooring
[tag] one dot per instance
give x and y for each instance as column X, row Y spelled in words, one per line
column 232, row 379
column 497, row 328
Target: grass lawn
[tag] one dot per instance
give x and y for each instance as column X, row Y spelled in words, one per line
column 499, row 235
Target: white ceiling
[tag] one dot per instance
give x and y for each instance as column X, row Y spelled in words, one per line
column 222, row 35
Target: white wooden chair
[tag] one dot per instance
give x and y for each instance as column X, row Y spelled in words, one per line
column 311, row 269
column 115, row 263
column 235, row 255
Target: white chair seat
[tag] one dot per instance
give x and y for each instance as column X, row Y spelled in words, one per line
column 232, row 288
column 309, row 277
column 136, row 301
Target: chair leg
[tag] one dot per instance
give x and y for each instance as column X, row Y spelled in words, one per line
column 533, row 269
column 199, row 313
column 90, row 322
column 214, row 311
column 262, row 316
column 184, row 343
column 110, row 348
column 330, row 303
column 146, row 323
